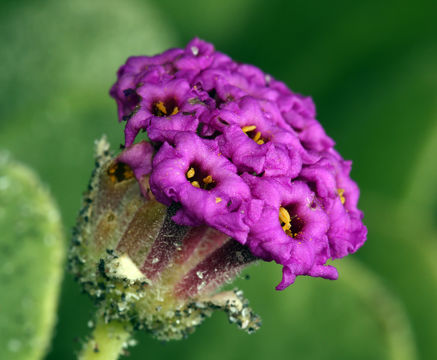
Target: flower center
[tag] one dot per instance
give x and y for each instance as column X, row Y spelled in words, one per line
column 168, row 107
column 218, row 101
column 119, row 172
column 199, row 178
column 292, row 225
column 256, row 136
column 341, row 194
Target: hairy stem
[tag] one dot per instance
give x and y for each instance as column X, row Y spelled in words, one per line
column 107, row 342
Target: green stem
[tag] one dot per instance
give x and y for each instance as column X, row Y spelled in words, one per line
column 107, row 342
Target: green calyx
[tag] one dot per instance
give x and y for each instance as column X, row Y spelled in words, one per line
column 115, row 232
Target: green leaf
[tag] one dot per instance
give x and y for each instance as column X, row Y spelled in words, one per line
column 31, row 262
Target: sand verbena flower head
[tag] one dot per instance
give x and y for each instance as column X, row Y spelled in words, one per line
column 221, row 165
column 240, row 152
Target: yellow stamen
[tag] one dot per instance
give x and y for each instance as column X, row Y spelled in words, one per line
column 285, row 220
column 175, row 111
column 119, row 172
column 195, row 184
column 286, row 226
column 161, row 107
column 257, row 136
column 341, row 194
column 207, row 180
column 260, row 142
column 128, row 173
column 248, row 128
column 284, row 215
column 190, row 173
column 217, row 200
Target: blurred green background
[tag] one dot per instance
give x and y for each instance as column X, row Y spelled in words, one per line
column 371, row 67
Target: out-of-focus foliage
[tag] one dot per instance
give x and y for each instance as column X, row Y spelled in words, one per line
column 32, row 250
column 59, row 60
column 370, row 67
column 357, row 318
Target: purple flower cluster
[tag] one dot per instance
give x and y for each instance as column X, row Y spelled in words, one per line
column 240, row 152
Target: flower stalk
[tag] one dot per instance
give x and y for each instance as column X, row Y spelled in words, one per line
column 107, row 342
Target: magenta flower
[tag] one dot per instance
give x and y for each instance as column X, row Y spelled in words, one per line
column 299, row 240
column 164, row 110
column 233, row 149
column 205, row 183
column 129, row 77
column 339, row 196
